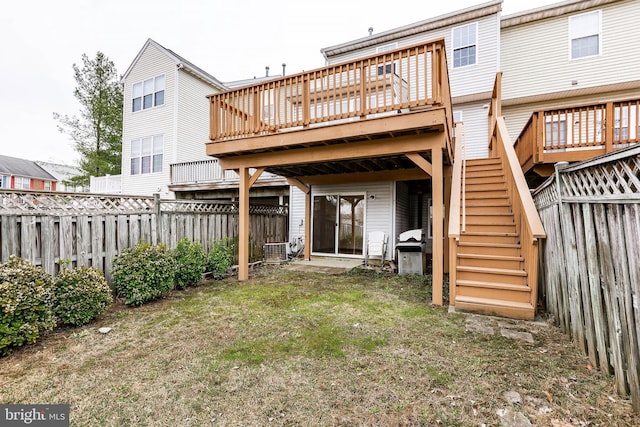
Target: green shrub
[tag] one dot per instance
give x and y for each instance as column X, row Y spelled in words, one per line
column 143, row 273
column 26, row 304
column 82, row 294
column 220, row 258
column 191, row 262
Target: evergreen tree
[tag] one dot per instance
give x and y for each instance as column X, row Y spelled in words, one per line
column 97, row 133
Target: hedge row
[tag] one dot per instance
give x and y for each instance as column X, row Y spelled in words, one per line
column 33, row 303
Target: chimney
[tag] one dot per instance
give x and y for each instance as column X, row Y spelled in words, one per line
column 266, row 71
column 370, row 31
column 284, row 67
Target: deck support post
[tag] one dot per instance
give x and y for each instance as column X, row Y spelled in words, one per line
column 438, row 225
column 246, row 181
column 307, row 225
column 243, row 228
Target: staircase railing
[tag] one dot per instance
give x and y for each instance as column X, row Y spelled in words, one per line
column 528, row 224
column 457, row 206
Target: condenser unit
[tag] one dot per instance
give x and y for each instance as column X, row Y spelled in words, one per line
column 275, row 253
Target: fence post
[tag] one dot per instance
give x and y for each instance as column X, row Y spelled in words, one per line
column 157, row 213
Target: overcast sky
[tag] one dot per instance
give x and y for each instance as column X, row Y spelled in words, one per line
column 232, row 39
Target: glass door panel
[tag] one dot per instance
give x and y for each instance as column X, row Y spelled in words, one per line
column 350, row 225
column 324, row 223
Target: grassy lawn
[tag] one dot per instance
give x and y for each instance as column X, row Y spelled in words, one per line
column 290, row 348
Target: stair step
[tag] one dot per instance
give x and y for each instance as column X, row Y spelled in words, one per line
column 474, row 209
column 489, row 228
column 487, row 186
column 482, row 248
column 482, row 193
column 484, row 167
column 492, row 275
column 493, row 285
column 489, row 260
column 489, row 237
column 494, row 217
column 493, row 201
column 515, row 310
column 484, row 173
column 481, row 180
column 485, row 161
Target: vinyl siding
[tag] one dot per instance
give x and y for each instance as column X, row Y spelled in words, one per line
column 402, row 209
column 536, row 56
column 296, row 213
column 193, row 118
column 475, row 119
column 378, row 211
column 154, row 121
column 473, row 79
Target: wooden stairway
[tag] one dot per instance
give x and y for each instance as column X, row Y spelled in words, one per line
column 489, row 270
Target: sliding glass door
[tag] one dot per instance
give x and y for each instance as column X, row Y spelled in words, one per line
column 338, row 224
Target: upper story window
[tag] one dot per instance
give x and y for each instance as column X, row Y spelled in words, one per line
column 148, row 93
column 4, row 182
column 387, row 47
column 584, row 30
column 146, row 155
column 465, row 45
column 47, row 186
column 22, row 183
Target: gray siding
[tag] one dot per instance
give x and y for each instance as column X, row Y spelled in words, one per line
column 475, row 120
column 193, row 118
column 536, row 60
column 473, row 79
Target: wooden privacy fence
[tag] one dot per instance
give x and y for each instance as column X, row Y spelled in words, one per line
column 590, row 260
column 91, row 229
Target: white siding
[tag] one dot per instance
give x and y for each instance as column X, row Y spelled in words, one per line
column 154, row 121
column 473, row 79
column 402, row 209
column 296, row 213
column 535, row 56
column 193, row 118
column 475, row 119
column 378, row 210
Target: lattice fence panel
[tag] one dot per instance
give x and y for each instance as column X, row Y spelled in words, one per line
column 31, row 202
column 616, row 178
column 547, row 196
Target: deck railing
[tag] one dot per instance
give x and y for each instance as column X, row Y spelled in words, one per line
column 206, row 171
column 578, row 133
column 400, row 80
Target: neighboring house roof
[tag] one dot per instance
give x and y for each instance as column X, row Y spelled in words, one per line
column 180, row 62
column 430, row 24
column 14, row 166
column 245, row 82
column 60, row 172
column 550, row 11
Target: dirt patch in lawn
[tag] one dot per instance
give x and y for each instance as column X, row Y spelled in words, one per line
column 295, row 348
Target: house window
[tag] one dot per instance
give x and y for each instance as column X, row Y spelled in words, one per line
column 555, row 131
column 146, row 155
column 22, row 183
column 584, row 32
column 387, row 48
column 148, row 93
column 47, row 186
column 464, row 45
column 3, row 181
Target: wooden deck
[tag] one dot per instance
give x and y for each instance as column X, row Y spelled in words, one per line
column 379, row 118
column 576, row 133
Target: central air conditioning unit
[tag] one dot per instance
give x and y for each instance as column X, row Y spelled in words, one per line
column 275, row 253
